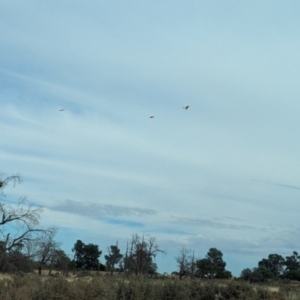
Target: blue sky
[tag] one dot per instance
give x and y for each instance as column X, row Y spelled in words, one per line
column 224, row 173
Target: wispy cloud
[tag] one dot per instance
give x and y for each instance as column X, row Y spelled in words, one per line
column 210, row 223
column 279, row 184
column 100, row 210
column 127, row 223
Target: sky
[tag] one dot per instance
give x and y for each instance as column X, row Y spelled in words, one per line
column 223, row 173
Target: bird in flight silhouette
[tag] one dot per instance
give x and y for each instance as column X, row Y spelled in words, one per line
column 62, row 109
column 186, row 107
column 151, row 117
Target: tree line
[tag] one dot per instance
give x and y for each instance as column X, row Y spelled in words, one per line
column 25, row 245
column 138, row 258
column 274, row 267
column 210, row 267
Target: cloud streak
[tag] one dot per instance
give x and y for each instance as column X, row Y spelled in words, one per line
column 100, row 210
column 280, row 185
column 211, row 223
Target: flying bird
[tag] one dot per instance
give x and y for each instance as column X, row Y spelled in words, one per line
column 186, row 107
column 62, row 109
column 151, row 117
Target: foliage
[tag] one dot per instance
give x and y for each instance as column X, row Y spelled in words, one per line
column 212, row 265
column 274, row 264
column 114, row 256
column 246, row 274
column 292, row 263
column 224, row 274
column 274, row 267
column 86, row 256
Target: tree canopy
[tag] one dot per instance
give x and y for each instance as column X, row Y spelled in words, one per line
column 113, row 257
column 212, row 266
column 86, row 256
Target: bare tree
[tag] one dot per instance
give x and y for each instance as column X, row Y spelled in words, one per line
column 182, row 261
column 193, row 264
column 46, row 250
column 140, row 254
column 5, row 180
column 19, row 223
column 186, row 262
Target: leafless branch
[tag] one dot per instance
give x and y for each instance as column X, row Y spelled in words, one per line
column 4, row 181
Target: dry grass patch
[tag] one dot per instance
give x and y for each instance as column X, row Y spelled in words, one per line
column 5, row 276
column 35, row 287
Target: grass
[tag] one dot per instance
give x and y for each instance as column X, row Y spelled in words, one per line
column 33, row 286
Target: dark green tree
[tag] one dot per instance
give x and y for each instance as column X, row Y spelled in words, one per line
column 203, row 266
column 78, row 250
column 152, row 268
column 292, row 264
column 114, row 256
column 223, row 274
column 274, row 263
column 261, row 273
column 91, row 256
column 246, row 274
column 212, row 264
column 86, row 256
